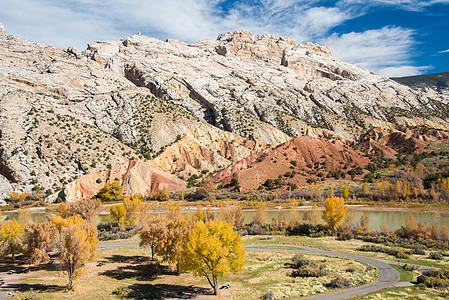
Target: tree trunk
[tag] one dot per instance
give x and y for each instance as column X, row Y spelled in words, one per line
column 152, row 252
column 216, row 291
column 178, row 271
column 12, row 250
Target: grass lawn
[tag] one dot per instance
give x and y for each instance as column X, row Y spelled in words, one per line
column 406, row 276
column 125, row 276
column 415, row 293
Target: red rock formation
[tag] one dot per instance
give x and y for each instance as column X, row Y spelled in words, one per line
column 312, row 155
column 135, row 176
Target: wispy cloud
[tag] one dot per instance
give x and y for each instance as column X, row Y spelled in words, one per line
column 411, row 5
column 444, row 51
column 386, row 50
column 78, row 22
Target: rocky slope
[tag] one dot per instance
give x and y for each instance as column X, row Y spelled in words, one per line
column 69, row 119
column 438, row 82
column 63, row 116
column 296, row 161
column 253, row 85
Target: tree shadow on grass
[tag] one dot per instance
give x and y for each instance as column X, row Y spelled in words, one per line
column 37, row 287
column 131, row 259
column 143, row 271
column 163, row 291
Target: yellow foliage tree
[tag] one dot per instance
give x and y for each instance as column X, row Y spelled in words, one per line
column 152, row 234
column 118, row 214
column 17, row 197
column 38, row 241
column 345, row 192
column 133, row 208
column 112, row 191
column 212, row 250
column 176, row 231
column 11, row 233
column 334, row 212
column 77, row 242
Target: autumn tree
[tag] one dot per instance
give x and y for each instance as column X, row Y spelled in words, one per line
column 112, row 191
column 313, row 216
column 152, row 234
column 348, row 222
column 238, row 217
column 87, row 209
column 435, row 228
column 39, row 241
column 206, row 187
column 363, row 226
column 162, row 195
column 170, row 249
column 294, row 215
column 11, row 233
column 118, row 214
column 261, row 215
column 15, row 197
column 212, row 250
column 77, row 243
column 134, row 209
column 408, row 229
column 334, row 212
column 345, row 192
column 365, row 189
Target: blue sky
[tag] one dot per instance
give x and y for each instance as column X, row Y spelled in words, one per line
column 390, row 37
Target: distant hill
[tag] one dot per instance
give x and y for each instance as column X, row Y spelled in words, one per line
column 438, row 81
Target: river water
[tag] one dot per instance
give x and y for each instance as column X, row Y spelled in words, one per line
column 393, row 219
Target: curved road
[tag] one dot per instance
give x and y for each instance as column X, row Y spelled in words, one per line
column 388, row 276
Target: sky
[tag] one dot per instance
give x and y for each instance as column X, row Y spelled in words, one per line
column 390, row 37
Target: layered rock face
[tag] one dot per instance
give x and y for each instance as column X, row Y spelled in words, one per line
column 63, row 116
column 136, row 177
column 256, row 86
column 69, row 117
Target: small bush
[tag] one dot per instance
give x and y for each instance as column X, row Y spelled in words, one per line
column 310, row 270
column 305, row 267
column 436, row 255
column 338, row 283
column 351, row 269
column 269, row 295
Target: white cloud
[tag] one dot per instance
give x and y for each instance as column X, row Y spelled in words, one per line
column 386, row 50
column 401, row 71
column 412, row 5
column 444, row 51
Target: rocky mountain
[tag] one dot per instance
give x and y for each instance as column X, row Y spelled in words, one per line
column 146, row 110
column 438, row 82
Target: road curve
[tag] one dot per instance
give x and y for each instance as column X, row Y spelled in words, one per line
column 388, row 276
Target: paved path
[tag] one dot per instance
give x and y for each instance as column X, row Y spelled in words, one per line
column 388, row 276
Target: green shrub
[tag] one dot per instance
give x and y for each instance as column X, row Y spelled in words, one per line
column 338, row 283
column 436, row 255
